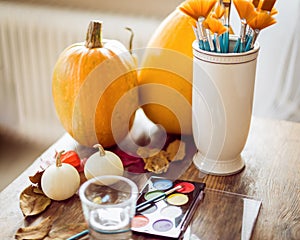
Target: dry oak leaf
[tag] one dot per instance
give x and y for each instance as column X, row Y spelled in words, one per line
column 32, row 203
column 176, row 150
column 157, row 163
column 35, row 232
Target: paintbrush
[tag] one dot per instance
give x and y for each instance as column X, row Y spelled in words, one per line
column 246, row 12
column 208, row 35
column 202, row 33
column 197, row 33
column 218, row 14
column 200, row 41
column 227, row 6
column 199, row 10
column 218, row 29
column 158, row 197
column 249, row 32
column 261, row 21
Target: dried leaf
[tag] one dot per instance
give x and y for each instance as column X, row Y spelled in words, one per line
column 157, row 160
column 176, row 150
column 36, row 178
column 38, row 190
column 145, row 152
column 66, row 231
column 35, row 232
column 157, row 163
column 32, row 203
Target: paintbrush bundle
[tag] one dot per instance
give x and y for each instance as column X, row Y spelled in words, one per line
column 212, row 22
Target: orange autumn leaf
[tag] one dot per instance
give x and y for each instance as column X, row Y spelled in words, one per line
column 197, row 8
column 261, row 21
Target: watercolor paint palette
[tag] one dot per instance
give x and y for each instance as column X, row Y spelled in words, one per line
column 170, row 214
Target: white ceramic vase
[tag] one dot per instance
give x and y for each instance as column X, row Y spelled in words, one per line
column 223, row 88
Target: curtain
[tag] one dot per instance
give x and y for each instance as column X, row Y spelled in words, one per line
column 277, row 92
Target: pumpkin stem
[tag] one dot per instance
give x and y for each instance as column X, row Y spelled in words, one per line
column 101, row 149
column 58, row 158
column 94, row 35
column 131, row 39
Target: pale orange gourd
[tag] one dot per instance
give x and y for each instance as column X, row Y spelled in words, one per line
column 94, row 89
column 165, row 77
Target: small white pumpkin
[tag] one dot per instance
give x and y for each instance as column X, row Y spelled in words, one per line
column 103, row 163
column 60, row 181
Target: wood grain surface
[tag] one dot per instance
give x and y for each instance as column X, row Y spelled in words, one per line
column 272, row 175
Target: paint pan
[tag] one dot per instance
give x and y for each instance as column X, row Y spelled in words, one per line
column 169, row 216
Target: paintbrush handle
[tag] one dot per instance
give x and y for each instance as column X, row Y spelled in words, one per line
column 161, row 196
column 255, row 3
column 267, row 5
column 158, row 197
column 237, row 45
column 79, row 235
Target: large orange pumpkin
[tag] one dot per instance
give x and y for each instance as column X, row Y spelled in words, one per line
column 94, row 89
column 165, row 77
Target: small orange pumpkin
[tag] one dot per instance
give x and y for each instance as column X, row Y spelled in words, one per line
column 166, row 69
column 94, row 89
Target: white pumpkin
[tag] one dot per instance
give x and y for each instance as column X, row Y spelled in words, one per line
column 103, row 163
column 60, row 181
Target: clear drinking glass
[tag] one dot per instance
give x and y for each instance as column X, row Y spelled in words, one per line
column 108, row 204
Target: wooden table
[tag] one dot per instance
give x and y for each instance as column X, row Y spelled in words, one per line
column 272, row 174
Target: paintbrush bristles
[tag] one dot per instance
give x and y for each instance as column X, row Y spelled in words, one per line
column 215, row 26
column 218, row 11
column 267, row 5
column 197, row 8
column 212, row 16
column 273, row 11
column 261, row 21
column 245, row 9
